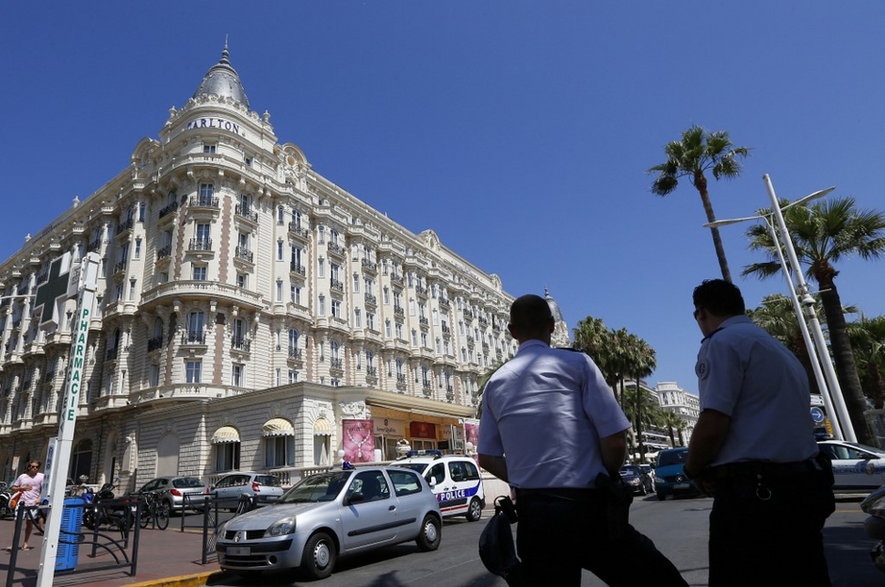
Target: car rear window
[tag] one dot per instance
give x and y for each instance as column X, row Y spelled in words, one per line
column 672, row 458
column 186, row 483
column 268, row 480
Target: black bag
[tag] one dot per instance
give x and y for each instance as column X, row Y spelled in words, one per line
column 496, row 548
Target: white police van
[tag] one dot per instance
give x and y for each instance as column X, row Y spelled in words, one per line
column 454, row 479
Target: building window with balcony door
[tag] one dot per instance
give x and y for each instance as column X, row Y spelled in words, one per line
column 208, row 148
column 370, row 320
column 387, row 330
column 242, row 280
column 236, row 378
column 207, row 191
column 192, row 371
column 227, row 456
column 154, row 375
column 293, row 376
column 137, row 253
column 336, row 309
column 199, row 273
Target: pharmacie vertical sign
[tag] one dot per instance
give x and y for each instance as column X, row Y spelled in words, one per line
column 84, row 287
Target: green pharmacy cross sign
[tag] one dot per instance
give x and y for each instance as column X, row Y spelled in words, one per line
column 52, row 293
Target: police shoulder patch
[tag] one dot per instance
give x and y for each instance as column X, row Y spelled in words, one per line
column 701, row 369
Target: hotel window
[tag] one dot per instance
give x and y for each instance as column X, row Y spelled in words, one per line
column 295, row 292
column 242, row 280
column 227, row 456
column 199, row 273
column 207, row 148
column 279, row 451
column 336, row 309
column 207, row 190
column 387, row 331
column 321, row 268
column 137, row 254
column 154, row 375
column 356, row 283
column 236, row 378
column 414, row 337
column 279, row 290
column 386, row 295
column 203, row 232
column 248, row 161
column 424, row 340
column 399, row 330
column 293, row 376
column 281, row 215
column 321, row 306
column 357, row 321
column 370, row 320
column 322, row 233
column 279, row 250
column 192, row 371
column 296, row 219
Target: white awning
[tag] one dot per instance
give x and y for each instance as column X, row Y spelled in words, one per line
column 322, row 427
column 225, row 434
column 278, row 427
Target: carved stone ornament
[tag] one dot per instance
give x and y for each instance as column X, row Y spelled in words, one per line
column 354, row 410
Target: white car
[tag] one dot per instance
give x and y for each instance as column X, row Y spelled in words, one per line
column 855, row 466
column 454, row 479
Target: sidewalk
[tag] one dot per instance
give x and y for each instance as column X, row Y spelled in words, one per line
column 165, row 557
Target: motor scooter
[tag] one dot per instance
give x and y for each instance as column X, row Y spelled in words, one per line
column 106, row 509
column 874, row 505
column 5, row 510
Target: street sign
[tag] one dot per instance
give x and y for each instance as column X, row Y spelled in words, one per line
column 817, row 415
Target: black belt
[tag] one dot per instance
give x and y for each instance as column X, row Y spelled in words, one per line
column 567, row 493
column 763, row 468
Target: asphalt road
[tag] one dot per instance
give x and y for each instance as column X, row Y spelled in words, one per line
column 678, row 527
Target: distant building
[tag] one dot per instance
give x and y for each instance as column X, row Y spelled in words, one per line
column 677, row 400
column 251, row 314
column 560, row 336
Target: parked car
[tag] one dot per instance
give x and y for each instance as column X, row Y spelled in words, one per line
column 637, row 479
column 230, row 488
column 670, row 478
column 855, row 466
column 650, row 471
column 331, row 515
column 454, row 479
column 179, row 493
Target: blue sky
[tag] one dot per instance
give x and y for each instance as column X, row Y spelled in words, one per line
column 519, row 131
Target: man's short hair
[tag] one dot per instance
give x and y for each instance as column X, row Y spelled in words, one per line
column 530, row 313
column 719, row 297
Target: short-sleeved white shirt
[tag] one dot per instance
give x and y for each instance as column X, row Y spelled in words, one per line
column 755, row 380
column 545, row 411
column 30, row 496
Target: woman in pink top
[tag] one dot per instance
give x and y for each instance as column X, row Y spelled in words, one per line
column 31, row 484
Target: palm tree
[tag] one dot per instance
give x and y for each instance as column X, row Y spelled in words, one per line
column 603, row 345
column 675, row 425
column 644, row 411
column 643, row 365
column 823, row 234
column 868, row 341
column 777, row 316
column 700, row 151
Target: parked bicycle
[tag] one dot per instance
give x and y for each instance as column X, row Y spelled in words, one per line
column 155, row 510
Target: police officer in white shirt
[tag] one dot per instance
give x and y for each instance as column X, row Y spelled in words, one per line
column 753, row 448
column 552, row 429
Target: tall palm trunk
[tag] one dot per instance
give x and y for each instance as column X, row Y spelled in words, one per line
column 639, row 422
column 700, row 182
column 843, row 356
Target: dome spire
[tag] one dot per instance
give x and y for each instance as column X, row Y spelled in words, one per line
column 223, row 80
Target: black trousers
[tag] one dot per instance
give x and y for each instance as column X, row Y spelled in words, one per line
column 766, row 530
column 557, row 537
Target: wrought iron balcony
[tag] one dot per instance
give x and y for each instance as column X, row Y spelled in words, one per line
column 155, row 343
column 336, row 249
column 193, row 337
column 369, row 266
column 371, row 299
column 203, row 202
column 240, row 343
column 169, row 209
column 294, row 353
column 335, row 363
column 337, row 285
column 200, row 244
column 398, row 310
column 244, row 254
column 299, row 231
column 124, row 226
column 164, row 252
column 246, row 212
column 297, row 268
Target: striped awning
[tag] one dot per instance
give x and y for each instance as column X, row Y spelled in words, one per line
column 278, row 427
column 225, row 434
column 322, row 427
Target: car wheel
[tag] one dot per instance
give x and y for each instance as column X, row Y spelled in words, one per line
column 474, row 511
column 661, row 495
column 319, row 556
column 643, row 490
column 430, row 535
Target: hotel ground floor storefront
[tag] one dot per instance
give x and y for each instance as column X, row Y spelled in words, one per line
column 290, row 431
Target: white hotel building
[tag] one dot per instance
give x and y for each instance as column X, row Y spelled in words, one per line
column 250, row 315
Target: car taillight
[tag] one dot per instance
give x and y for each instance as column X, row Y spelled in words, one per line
column 256, row 487
column 175, row 492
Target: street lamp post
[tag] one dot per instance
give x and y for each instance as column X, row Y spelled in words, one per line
column 803, row 305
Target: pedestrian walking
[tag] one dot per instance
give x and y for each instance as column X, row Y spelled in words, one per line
column 753, row 449
column 30, row 484
column 552, row 429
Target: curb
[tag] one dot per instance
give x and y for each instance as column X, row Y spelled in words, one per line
column 181, row 581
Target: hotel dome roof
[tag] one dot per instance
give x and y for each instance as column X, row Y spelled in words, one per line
column 223, row 80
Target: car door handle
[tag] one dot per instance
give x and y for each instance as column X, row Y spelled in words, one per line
column 391, row 508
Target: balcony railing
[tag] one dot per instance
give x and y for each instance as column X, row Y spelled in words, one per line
column 369, row 266
column 193, row 338
column 400, row 378
column 246, row 212
column 371, row 299
column 394, row 278
column 294, row 353
column 203, row 202
column 155, row 343
column 200, row 244
column 124, row 226
column 371, row 371
column 244, row 254
column 169, row 209
column 299, row 231
column 297, row 268
column 120, row 266
column 164, row 252
column 240, row 343
column 335, row 363
column 398, row 310
column 336, row 249
column 337, row 285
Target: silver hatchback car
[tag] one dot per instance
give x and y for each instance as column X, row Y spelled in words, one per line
column 232, row 487
column 178, row 492
column 329, row 515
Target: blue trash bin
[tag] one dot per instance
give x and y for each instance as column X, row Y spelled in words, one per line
column 69, row 537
